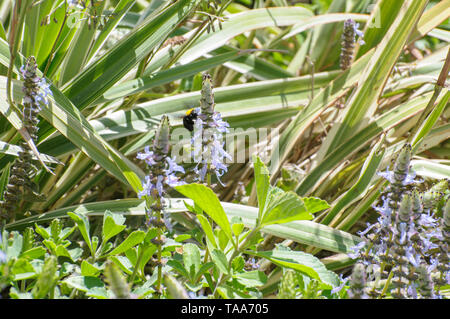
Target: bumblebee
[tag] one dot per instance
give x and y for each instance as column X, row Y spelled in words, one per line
column 189, row 119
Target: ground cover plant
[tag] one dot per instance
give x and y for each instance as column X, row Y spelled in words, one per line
column 197, row 149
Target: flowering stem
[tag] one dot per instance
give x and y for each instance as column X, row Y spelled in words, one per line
column 388, row 281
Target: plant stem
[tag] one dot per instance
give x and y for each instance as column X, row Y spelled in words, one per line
column 238, row 250
column 386, row 285
column 136, row 267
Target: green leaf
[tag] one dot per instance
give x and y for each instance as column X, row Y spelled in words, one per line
column 237, row 228
column 22, row 269
column 305, row 263
column 262, row 184
column 99, row 293
column 234, row 25
column 430, row 169
column 301, row 231
column 359, row 189
column 83, row 225
column 118, row 61
column 113, row 224
column 182, row 237
column 428, row 124
column 205, row 198
column 132, row 240
column 14, row 250
column 88, row 269
column 176, row 265
column 62, row 251
column 4, row 179
column 207, row 229
column 191, row 259
column 57, row 250
column 220, row 260
column 238, row 264
column 362, row 104
column 123, row 263
column 253, row 278
column 284, row 207
column 314, row 205
column 84, row 283
column 34, row 253
column 203, row 269
column 42, row 231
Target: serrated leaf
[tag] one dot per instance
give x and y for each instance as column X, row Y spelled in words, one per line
column 314, row 205
column 284, row 207
column 191, row 259
column 238, row 264
column 253, row 278
column 88, row 269
column 84, row 283
column 175, row 264
column 42, row 231
column 305, row 263
column 220, row 260
column 113, row 224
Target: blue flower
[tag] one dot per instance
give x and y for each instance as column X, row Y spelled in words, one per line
column 343, row 281
column 173, row 166
column 413, row 257
column 369, row 227
column 208, row 147
column 391, row 177
column 359, row 33
column 147, row 156
column 355, row 250
column 412, row 290
column 36, row 89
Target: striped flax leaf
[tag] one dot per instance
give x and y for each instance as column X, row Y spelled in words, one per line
column 363, row 102
column 303, row 231
column 360, row 139
column 92, row 82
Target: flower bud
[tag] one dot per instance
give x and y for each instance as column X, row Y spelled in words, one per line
column 402, row 164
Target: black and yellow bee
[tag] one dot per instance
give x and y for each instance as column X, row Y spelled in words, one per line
column 189, row 119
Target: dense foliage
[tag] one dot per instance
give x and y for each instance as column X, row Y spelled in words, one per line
column 159, row 149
